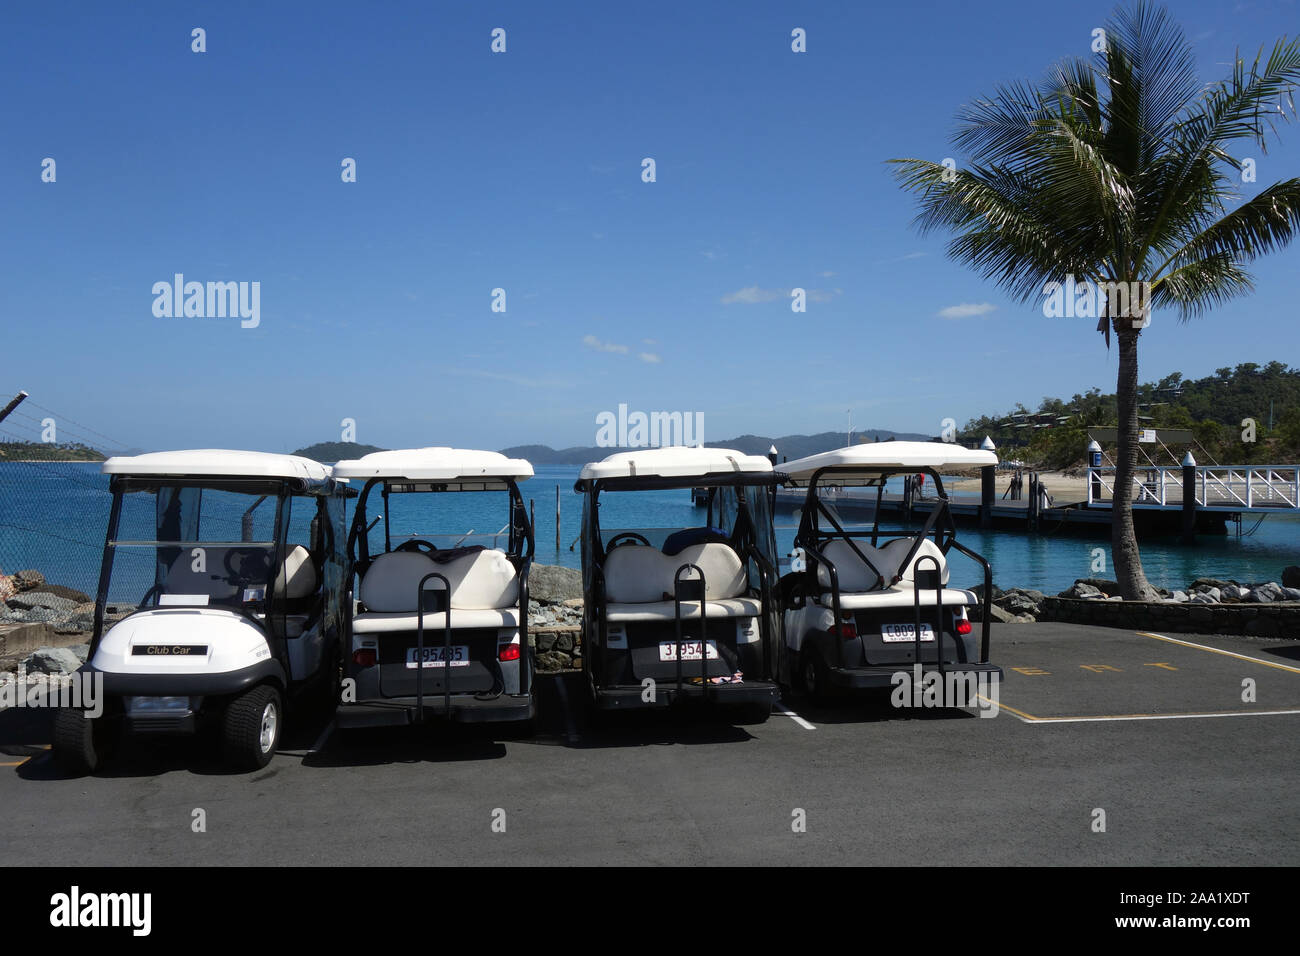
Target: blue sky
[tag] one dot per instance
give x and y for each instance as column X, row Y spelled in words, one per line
column 522, row 171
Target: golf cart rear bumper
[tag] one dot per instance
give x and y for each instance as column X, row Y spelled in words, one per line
column 465, row 709
column 632, row 697
column 117, row 684
column 883, row 675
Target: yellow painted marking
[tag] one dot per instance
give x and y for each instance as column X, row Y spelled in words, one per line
column 1215, row 650
column 1099, row 668
column 1165, row 666
column 1031, row 719
column 1031, row 671
column 15, row 763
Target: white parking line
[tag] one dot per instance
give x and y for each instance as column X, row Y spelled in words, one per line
column 1102, row 719
column 782, row 709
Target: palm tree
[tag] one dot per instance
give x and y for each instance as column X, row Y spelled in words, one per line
column 1116, row 169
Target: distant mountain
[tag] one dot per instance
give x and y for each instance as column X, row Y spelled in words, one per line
column 788, row 446
column 328, row 452
column 46, row 451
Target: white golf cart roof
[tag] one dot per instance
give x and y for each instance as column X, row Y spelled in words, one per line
column 869, row 460
column 435, row 465
column 217, row 463
column 676, row 461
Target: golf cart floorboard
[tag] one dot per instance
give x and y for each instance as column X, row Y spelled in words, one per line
column 630, row 697
column 882, row 675
column 465, row 708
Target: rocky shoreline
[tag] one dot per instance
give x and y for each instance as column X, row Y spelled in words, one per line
column 1206, row 605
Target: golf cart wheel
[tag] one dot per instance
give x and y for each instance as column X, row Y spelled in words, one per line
column 812, row 675
column 250, row 728
column 81, row 745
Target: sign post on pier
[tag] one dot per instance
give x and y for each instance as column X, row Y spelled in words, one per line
column 1189, row 499
column 986, row 487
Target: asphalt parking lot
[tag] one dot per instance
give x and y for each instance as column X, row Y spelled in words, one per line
column 1185, row 744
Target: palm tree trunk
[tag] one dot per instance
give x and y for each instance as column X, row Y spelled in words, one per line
column 1133, row 583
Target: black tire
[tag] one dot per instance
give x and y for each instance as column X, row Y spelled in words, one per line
column 812, row 676
column 244, row 744
column 82, row 745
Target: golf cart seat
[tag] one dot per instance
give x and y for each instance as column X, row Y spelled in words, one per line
column 639, row 583
column 859, row 585
column 484, row 592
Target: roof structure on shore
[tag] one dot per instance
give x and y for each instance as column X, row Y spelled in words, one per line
column 870, row 460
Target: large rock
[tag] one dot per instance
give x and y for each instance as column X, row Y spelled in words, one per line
column 549, row 582
column 28, row 580
column 1291, row 576
column 1104, row 585
column 1292, row 594
column 1213, row 593
column 58, row 590
column 1205, row 597
column 552, row 661
column 1020, row 602
column 30, row 600
column 1266, row 593
column 1083, row 590
column 1201, row 583
column 1002, row 617
column 53, row 660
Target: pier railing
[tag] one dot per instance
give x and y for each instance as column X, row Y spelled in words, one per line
column 1221, row 487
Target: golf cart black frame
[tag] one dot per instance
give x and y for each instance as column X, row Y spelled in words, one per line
column 274, row 670
column 939, row 525
column 463, row 706
column 763, row 691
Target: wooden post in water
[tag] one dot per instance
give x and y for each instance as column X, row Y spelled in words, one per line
column 1189, row 499
column 532, row 517
column 1033, row 501
column 557, row 519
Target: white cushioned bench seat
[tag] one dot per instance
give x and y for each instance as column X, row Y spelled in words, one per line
column 376, row 622
column 480, row 580
column 665, row 610
column 637, row 574
column 899, row 596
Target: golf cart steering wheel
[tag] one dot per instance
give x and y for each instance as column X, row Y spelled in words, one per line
column 632, row 536
column 418, row 545
column 153, row 592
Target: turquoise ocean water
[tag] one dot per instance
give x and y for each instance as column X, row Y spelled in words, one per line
column 53, row 515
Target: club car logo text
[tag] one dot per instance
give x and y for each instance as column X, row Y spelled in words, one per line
column 626, row 429
column 78, row 691
column 172, row 650
column 211, row 300
column 77, row 909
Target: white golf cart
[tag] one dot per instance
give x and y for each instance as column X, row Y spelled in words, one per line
column 858, row 610
column 234, row 563
column 440, row 621
column 674, row 614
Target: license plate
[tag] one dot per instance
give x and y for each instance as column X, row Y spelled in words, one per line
column 898, row 633
column 690, row 651
column 457, row 656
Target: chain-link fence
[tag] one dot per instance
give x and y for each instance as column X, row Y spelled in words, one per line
column 53, row 516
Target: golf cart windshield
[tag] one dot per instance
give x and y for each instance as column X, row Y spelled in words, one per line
column 192, row 546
